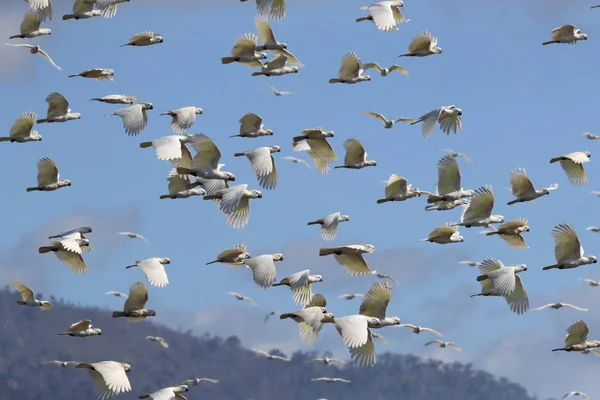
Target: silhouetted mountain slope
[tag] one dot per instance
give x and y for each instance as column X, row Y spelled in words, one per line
column 29, row 336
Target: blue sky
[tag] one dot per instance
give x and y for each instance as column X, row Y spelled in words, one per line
column 523, row 104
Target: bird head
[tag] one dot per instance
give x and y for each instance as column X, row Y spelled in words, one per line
column 67, row 182
column 520, row 268
column 344, row 218
column 36, row 136
column 268, row 132
column 367, row 77
column 274, row 149
column 594, row 259
column 257, row 194
column 437, row 50
column 151, row 313
column 372, row 163
column 180, row 388
column 199, row 110
column 261, row 56
column 99, row 331
column 460, row 239
column 278, row 257
column 147, row 106
column 294, row 70
column 587, row 154
column 318, row 278
column 110, row 72
column 165, row 260
column 526, row 228
column 126, row 367
column 45, row 31
column 76, row 116
column 159, row 38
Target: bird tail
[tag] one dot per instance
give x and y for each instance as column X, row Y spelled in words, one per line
column 339, row 166
column 334, row 80
column 423, row 240
column 72, row 76
column 326, row 251
column 555, row 159
column 45, row 249
column 117, row 314
column 515, row 201
column 235, row 136
column 32, row 189
column 482, row 278
column 210, row 197
column 433, row 199
column 417, row 121
column 183, row 171
column 564, row 349
column 227, row 60
column 544, row 44
column 68, row 16
column 164, row 196
column 381, row 201
column 278, row 284
column 298, row 138
column 41, row 121
column 17, row 37
column 21, row 302
column 145, row 145
column 53, row 237
column 491, row 233
column 478, row 294
column 431, row 207
column 126, row 44
column 63, row 334
column 257, row 73
column 95, row 99
column 549, row 267
column 144, row 396
column 326, row 320
column 362, row 19
column 4, row 139
column 131, row 266
column 212, row 262
column 313, row 223
column 239, row 154
column 286, row 315
column 406, row 55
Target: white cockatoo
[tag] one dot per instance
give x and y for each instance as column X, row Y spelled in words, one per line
column 351, row 296
column 297, row 160
column 479, row 211
column 183, row 118
column 134, row 304
column 263, row 269
column 511, row 233
column 109, row 377
column 170, row 393
column 276, row 67
column 330, row 380
column 69, row 251
column 116, row 99
column 314, row 142
column 566, row 34
column 159, row 340
column 147, row 38
column 233, row 257
column 82, row 328
column 42, row 8
column 36, row 50
column 76, row 233
column 86, row 9
column 523, row 189
column 28, row 298
column 568, row 252
column 443, row 344
column 498, row 280
column 182, row 187
column 270, row 356
column 117, row 294
column 309, row 321
column 397, row 188
column 134, row 117
column 385, row 71
column 351, row 257
column 418, row 329
column 300, row 284
column 132, row 235
column 30, row 27
column 422, row 45
column 58, row 109
column 384, row 14
column 375, row 304
column 576, row 339
column 196, row 381
column 252, row 127
column 242, row 298
column 449, row 182
column 572, row 164
column 234, row 202
column 556, row 306
column 244, row 52
column 329, row 224
column 356, row 335
column 444, row 234
column 386, row 122
column 22, row 130
column 269, row 43
column 172, row 147
column 154, row 270
column 575, row 393
column 326, row 360
column 63, row 364
column 263, row 165
column 99, row 74
column 457, row 154
column 589, row 136
column 469, row 263
column 449, row 118
column 356, row 155
column 351, row 70
column 279, row 92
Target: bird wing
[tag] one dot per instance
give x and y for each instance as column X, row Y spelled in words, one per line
column 177, row 182
column 395, row 185
column 576, row 333
column 400, row 69
column 376, row 300
column 432, row 331
column 448, row 175
column 263, row 270
column 351, row 66
column 143, row 36
column 245, row 45
column 318, row 300
column 355, row 152
column 520, row 183
column 250, row 123
column 321, row 164
column 453, row 345
column 70, row 243
column 481, row 205
column 301, row 287
column 72, row 260
column 183, row 120
column 134, row 119
column 168, row 147
column 231, row 198
column 374, row 114
column 422, row 41
column 383, row 16
column 514, row 241
column 355, row 264
column 80, row 326
column 503, row 279
column 23, row 124
column 575, row 172
column 274, row 8
column 397, row 13
column 363, row 356
column 322, row 148
column 113, row 376
column 261, row 160
column 449, row 123
column 565, row 30
column 263, row 29
column 574, row 307
column 489, row 265
column 566, row 243
column 26, row 293
column 443, row 231
column 513, row 225
column 277, row 62
column 30, row 22
column 154, row 271
column 207, row 152
column 47, row 172
column 375, row 66
column 239, row 217
column 82, row 6
column 517, row 300
column 353, row 329
column 138, row 296
column 329, row 226
column 47, row 57
column 429, row 121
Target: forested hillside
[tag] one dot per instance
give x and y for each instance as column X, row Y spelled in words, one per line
column 29, row 336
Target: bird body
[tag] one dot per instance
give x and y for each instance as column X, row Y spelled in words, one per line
column 28, row 298
column 397, row 188
column 263, row 269
column 58, row 109
column 568, row 251
column 134, row 304
column 234, row 202
column 576, row 338
column 556, row 306
column 300, row 284
column 116, row 99
column 183, row 118
column 99, row 74
column 356, row 334
column 134, row 117
column 36, row 50
column 244, row 52
column 385, row 71
column 443, row 344
column 154, row 270
column 132, row 235
column 270, row 356
column 479, row 210
column 329, row 224
column 511, row 231
column 449, row 118
column 263, row 165
column 159, row 340
column 233, row 257
column 69, row 250
column 309, row 321
column 242, row 298
column 498, row 280
column 418, row 329
column 444, row 234
column 82, row 328
column 252, row 127
column 351, row 70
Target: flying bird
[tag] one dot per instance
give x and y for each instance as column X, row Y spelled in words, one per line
column 275, row 9
column 443, row 344
column 351, row 296
column 144, row 39
column 28, row 298
column 116, row 99
column 309, row 321
column 252, row 127
column 234, row 257
column 444, row 234
column 99, row 74
column 36, row 50
column 63, row 364
column 330, row 380
column 296, row 160
column 170, row 393
column 271, row 313
column 30, row 27
column 154, row 270
column 588, row 135
column 86, row 9
column 109, row 377
column 22, row 130
column 356, row 156
column 134, row 304
column 498, row 280
column 158, row 339
column 270, row 356
column 385, row 276
column 424, row 44
column 575, row 393
column 449, row 187
column 356, row 335
column 397, row 188
column 375, row 305
column 132, row 235
column 385, row 15
column 117, row 294
column 572, row 164
column 134, row 117
column 511, row 232
column 182, row 187
column 183, row 118
column 594, row 229
column 385, row 71
column 449, row 118
column 278, row 92
column 234, row 202
column 42, row 9
column 269, row 43
column 314, row 142
column 327, row 360
column 276, row 67
column 566, row 34
column 479, row 210
column 263, row 269
column 58, row 109
column 386, row 123
column 76, row 233
column 244, row 52
column 470, row 263
column 351, row 257
column 69, row 252
column 351, row 70
column 568, row 251
column 576, row 339
column 242, row 298
column 329, row 224
column 82, row 328
column 196, row 381
column 523, row 189
column 300, row 284
column 556, row 306
column 418, row 329
column 263, row 165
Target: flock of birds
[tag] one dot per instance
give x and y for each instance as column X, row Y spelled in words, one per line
column 201, row 174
